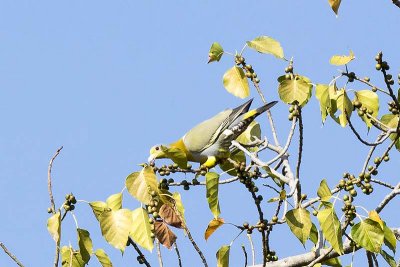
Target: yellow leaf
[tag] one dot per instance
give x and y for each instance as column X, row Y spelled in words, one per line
column 213, row 225
column 54, row 226
column 373, row 215
column 235, row 82
column 342, row 60
column 335, row 4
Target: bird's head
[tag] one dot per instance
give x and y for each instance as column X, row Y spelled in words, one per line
column 156, row 152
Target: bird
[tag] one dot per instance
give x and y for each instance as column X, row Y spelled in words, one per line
column 208, row 142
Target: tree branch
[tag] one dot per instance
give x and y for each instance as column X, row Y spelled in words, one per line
column 145, row 262
column 286, row 147
column 253, row 253
column 52, row 203
column 189, row 235
column 306, row 258
column 245, row 255
column 300, row 153
column 12, row 256
column 365, row 142
column 388, row 198
column 396, row 3
column 178, row 254
column 160, row 261
column 49, row 186
column 260, row 163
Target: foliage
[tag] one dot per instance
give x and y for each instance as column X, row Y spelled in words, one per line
column 344, row 230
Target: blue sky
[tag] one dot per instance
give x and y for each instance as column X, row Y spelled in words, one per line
column 109, row 80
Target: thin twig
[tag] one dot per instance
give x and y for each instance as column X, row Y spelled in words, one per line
column 314, row 200
column 396, row 3
column 245, row 255
column 263, row 237
column 53, row 205
column 160, row 261
column 253, row 253
column 300, row 153
column 178, row 255
column 388, row 198
column 389, row 87
column 362, row 140
column 288, row 141
column 145, row 262
column 49, row 187
column 369, row 259
column 260, row 163
column 366, row 82
column 12, row 256
column 226, row 181
column 382, row 183
column 370, row 153
column 189, row 235
column 320, row 257
column 269, row 114
column 375, row 260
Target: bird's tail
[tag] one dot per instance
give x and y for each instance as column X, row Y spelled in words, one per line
column 255, row 112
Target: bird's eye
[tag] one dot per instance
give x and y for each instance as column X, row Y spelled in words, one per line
column 157, row 148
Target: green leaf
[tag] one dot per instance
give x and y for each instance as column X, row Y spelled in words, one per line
column 342, row 103
column 388, row 258
column 114, row 202
column 140, row 184
column 212, row 180
column 103, row 258
column 141, row 229
column 389, row 238
column 71, row 258
column 236, row 83
column 252, row 132
column 98, row 208
column 223, row 256
column 331, row 229
column 323, row 191
column 266, row 45
column 335, row 262
column 335, row 4
column 54, row 226
column 176, row 155
column 368, row 234
column 314, row 234
column 212, row 226
column 342, row 60
column 370, row 100
column 85, row 244
column 228, row 167
column 373, row 215
column 115, row 227
column 299, row 222
column 391, row 121
column 322, row 94
column 216, row 52
column 296, row 89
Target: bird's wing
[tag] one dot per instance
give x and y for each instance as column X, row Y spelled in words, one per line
column 206, row 133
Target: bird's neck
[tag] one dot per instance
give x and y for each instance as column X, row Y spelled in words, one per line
column 181, row 145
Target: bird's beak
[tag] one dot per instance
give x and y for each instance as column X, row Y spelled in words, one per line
column 151, row 158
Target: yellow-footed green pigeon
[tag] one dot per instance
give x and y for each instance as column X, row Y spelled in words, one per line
column 209, row 141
